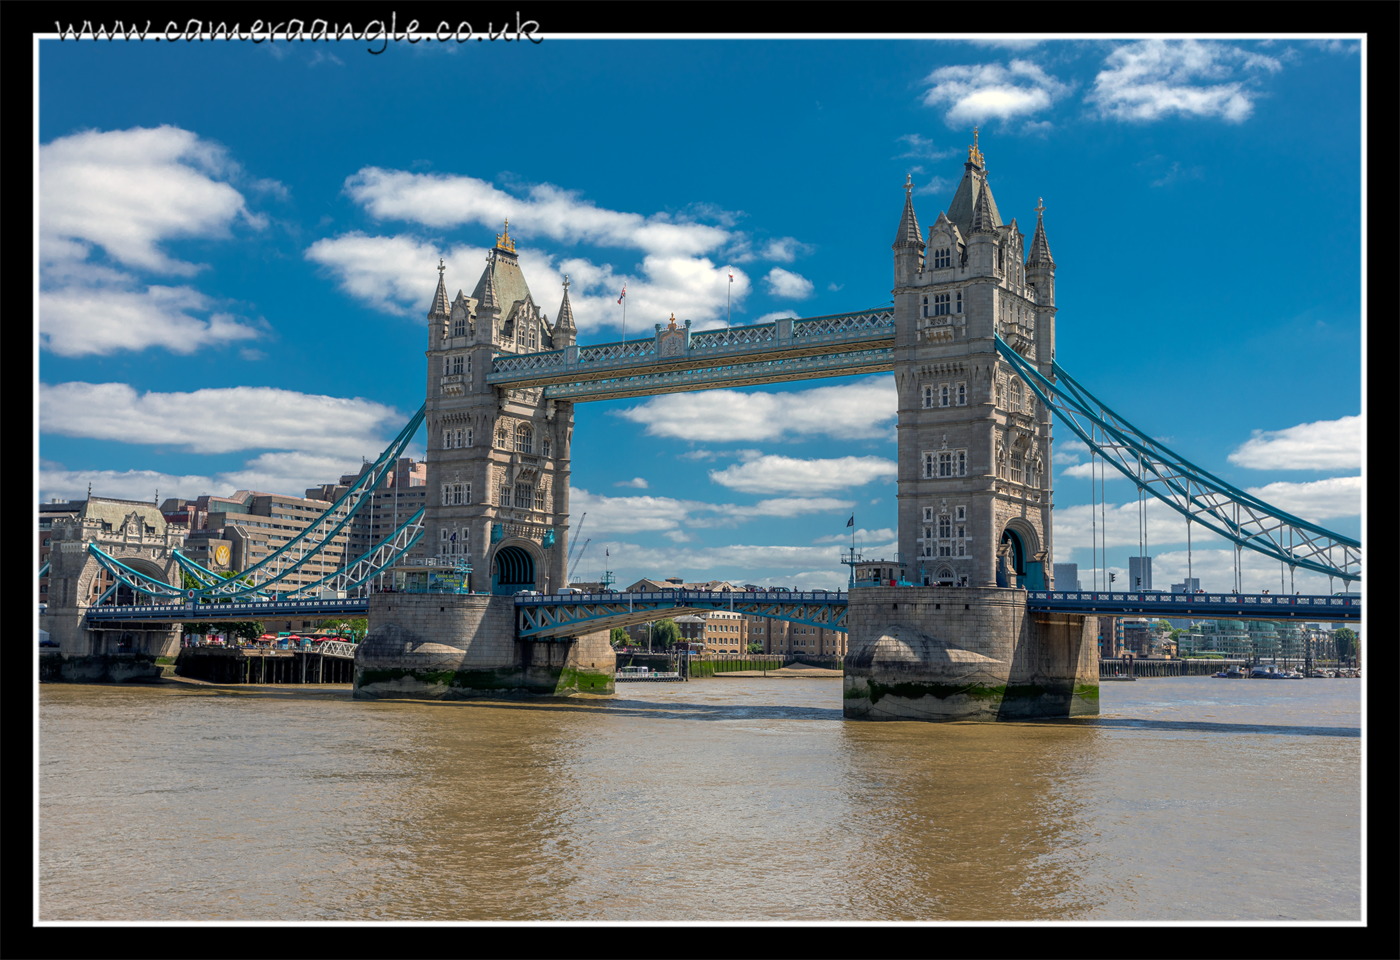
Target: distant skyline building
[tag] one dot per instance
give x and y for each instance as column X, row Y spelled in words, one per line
column 1188, row 585
column 1067, row 576
column 1139, row 573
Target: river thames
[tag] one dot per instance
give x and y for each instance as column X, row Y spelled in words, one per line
column 728, row 799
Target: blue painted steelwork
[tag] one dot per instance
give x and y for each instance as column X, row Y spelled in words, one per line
column 566, row 615
column 1200, row 496
column 237, row 610
column 677, row 361
column 44, row 570
column 302, row 548
column 1199, row 606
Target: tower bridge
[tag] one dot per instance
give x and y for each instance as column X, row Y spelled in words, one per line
column 969, row 336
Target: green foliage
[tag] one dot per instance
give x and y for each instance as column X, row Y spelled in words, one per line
column 619, row 637
column 1163, row 626
column 1347, row 641
column 665, row 634
column 755, row 648
column 247, row 630
column 353, row 627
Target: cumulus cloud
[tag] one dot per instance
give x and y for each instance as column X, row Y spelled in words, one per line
column 978, row 92
column 242, row 418
column 784, row 283
column 637, row 482
column 1215, row 569
column 882, row 536
column 1317, row 500
column 126, row 192
column 56, row 481
column 1150, row 79
column 397, row 275
column 848, row 411
column 920, row 148
column 778, row 315
column 661, row 514
column 773, row 474
column 1322, row 445
column 441, row 200
column 785, row 249
column 741, row 563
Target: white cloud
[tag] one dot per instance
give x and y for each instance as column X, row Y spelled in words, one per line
column 779, row 315
column 1316, row 501
column 1091, row 471
column 849, row 411
column 883, row 536
column 1215, row 569
column 1150, row 79
column 398, row 275
column 441, row 200
column 918, row 147
column 784, row 283
column 237, row 418
column 978, row 92
column 936, row 185
column 80, row 321
column 1323, row 445
column 661, row 514
column 637, row 482
column 772, row 474
column 287, row 473
column 741, row 563
column 785, row 249
column 126, row 191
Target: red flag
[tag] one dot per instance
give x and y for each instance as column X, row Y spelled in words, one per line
column 624, row 293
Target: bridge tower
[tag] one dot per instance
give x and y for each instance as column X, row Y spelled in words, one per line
column 974, row 444
column 498, row 496
column 137, row 535
column 975, row 496
column 497, row 460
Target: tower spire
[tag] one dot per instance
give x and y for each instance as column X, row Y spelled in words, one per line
column 983, row 220
column 489, row 298
column 565, row 333
column 440, row 309
column 1040, row 247
column 908, row 233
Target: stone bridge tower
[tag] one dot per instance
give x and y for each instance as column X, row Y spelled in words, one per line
column 974, row 486
column 136, row 534
column 497, row 460
column 975, row 493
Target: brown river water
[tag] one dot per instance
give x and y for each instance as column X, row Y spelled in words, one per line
column 727, row 799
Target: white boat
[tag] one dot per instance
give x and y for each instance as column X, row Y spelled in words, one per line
column 633, row 674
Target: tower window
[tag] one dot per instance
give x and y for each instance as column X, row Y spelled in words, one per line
column 447, row 439
column 945, row 464
column 962, row 514
column 942, row 257
column 459, row 327
column 523, row 497
column 469, row 436
column 925, row 306
column 962, row 394
column 503, row 495
column 928, row 395
column 928, row 516
column 458, row 364
column 1017, row 463
column 524, row 439
column 502, row 437
column 539, row 497
column 943, row 395
column 941, row 304
column 928, row 465
column 544, row 446
column 959, row 301
column 945, row 527
column 960, row 463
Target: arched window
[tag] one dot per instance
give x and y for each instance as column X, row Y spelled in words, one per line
column 544, row 446
column 524, row 438
column 502, row 437
column 469, row 436
column 446, row 439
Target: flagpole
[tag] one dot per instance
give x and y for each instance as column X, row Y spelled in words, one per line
column 729, row 299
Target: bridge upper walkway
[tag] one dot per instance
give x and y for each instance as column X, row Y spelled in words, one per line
column 676, row 360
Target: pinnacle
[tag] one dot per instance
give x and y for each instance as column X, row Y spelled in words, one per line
column 909, row 234
column 1040, row 247
column 565, row 318
column 440, row 308
column 983, row 220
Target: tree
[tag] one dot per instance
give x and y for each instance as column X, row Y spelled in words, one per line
column 755, row 648
column 1347, row 642
column 354, row 627
column 1163, row 626
column 619, row 637
column 665, row 634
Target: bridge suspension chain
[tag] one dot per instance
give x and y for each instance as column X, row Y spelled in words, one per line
column 310, row 542
column 1200, row 496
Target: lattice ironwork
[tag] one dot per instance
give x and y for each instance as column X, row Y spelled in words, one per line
column 567, row 615
column 1201, row 497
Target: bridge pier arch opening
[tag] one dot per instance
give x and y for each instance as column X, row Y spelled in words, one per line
column 515, row 565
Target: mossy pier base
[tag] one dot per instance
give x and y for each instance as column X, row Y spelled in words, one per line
column 966, row 653
column 425, row 646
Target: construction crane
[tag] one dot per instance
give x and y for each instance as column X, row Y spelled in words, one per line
column 574, row 547
column 579, row 559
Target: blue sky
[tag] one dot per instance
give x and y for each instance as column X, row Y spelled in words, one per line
column 238, row 243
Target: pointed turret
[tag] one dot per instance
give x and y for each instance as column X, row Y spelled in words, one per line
column 565, row 333
column 487, row 298
column 970, row 190
column 908, row 234
column 1040, row 247
column 983, row 219
column 440, row 308
column 908, row 242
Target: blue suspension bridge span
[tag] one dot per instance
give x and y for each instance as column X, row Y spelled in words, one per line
column 844, row 344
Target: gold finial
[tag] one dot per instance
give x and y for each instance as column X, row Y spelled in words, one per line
column 974, row 154
column 503, row 240
column 673, row 322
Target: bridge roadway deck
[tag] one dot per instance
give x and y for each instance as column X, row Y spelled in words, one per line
column 568, row 614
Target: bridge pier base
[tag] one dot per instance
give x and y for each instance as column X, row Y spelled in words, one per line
column 427, row 646
column 966, row 653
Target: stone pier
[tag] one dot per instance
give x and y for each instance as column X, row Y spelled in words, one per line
column 426, row 646
column 966, row 653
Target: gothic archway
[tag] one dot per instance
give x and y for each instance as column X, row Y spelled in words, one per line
column 512, row 570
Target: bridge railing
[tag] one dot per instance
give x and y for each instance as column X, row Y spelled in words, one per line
column 1183, row 601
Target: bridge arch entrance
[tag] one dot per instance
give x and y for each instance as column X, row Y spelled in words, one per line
column 1019, row 546
column 512, row 569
